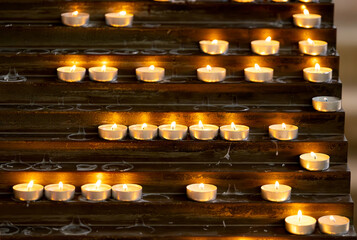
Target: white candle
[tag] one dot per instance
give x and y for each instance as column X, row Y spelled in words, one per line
column 120, row 19
column 276, row 192
column 96, row 191
column 103, row 74
column 234, row 132
column 283, row 131
column 326, row 103
column 313, row 47
column 244, row 1
column 143, row 131
column 59, row 192
column 75, row 19
column 258, row 74
column 173, row 131
column 203, row 131
column 214, row 47
column 308, row 1
column 150, row 74
column 265, row 47
column 211, row 74
column 315, row 161
column 71, row 74
column 28, row 191
column 317, row 74
column 334, row 224
column 307, row 20
column 280, row 1
column 127, row 192
column 201, row 192
column 112, row 131
column 300, row 224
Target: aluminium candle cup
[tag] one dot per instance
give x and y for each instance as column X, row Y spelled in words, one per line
column 78, row 20
column 148, row 133
column 178, row 133
column 264, row 74
column 320, row 163
column 278, row 132
column 208, row 132
column 307, row 21
column 214, row 47
column 133, row 192
column 146, row 74
column 304, row 227
column 338, row 226
column 68, row 75
column 205, row 194
column 92, row 193
column 107, row 132
column 311, row 74
column 214, row 74
column 240, row 132
column 96, row 74
column 263, row 47
column 326, row 104
column 22, row 193
column 53, row 193
column 315, row 49
column 118, row 20
column 280, row 1
column 270, row 193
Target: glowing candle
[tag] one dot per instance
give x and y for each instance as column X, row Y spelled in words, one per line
column 120, row 19
column 28, row 191
column 103, row 74
column 201, row 192
column 334, row 224
column 276, row 192
column 150, row 74
column 143, row 131
column 112, row 131
column 307, row 20
column 127, row 192
column 96, row 191
column 75, row 19
column 313, row 47
column 283, row 131
column 234, row 132
column 59, row 192
column 317, row 74
column 211, row 74
column 203, row 131
column 244, row 1
column 258, row 74
column 265, row 47
column 315, row 161
column 214, row 47
column 71, row 74
column 326, row 103
column 173, row 131
column 300, row 224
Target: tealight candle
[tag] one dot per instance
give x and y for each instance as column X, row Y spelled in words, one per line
column 315, row 161
column 265, row 47
column 203, row 131
column 59, row 192
column 317, row 74
column 112, row 131
column 28, row 191
column 326, row 103
column 71, row 74
column 127, row 192
column 150, row 74
column 300, row 224
column 96, row 191
column 283, row 131
column 234, row 132
column 75, row 19
column 173, row 131
column 201, row 192
column 258, row 74
column 211, row 74
column 214, row 47
column 334, row 224
column 244, row 1
column 280, row 1
column 276, row 192
column 313, row 47
column 143, row 131
column 103, row 74
column 308, row 1
column 120, row 19
column 307, row 20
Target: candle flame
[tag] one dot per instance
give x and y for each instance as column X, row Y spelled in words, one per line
column 233, row 126
column 306, row 12
column 125, row 187
column 309, row 41
column 75, row 13
column 173, row 125
column 332, row 219
column 276, row 185
column 317, row 67
column 30, row 185
column 60, row 186
column 114, row 126
column 144, row 126
column 257, row 67
column 97, row 184
column 152, row 68
column 283, row 126
column 104, row 68
column 200, row 124
column 214, row 41
column 73, row 68
column 209, row 68
column 201, row 186
column 313, row 155
column 122, row 13
column 299, row 215
column 268, row 39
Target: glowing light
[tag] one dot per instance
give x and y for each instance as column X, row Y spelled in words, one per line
column 200, row 124
column 276, row 185
column 114, row 126
column 283, row 126
column 317, row 67
column 75, row 13
column 257, row 67
column 103, row 68
column 233, row 126
column 60, row 186
column 268, row 39
column 313, row 155
column 173, row 125
column 332, row 219
column 309, row 41
column 208, row 67
column 152, row 68
column 97, row 184
column 325, row 99
column 125, row 187
column 144, row 126
column 299, row 215
column 122, row 13
column 201, row 186
column 30, row 185
column 306, row 12
column 214, row 41
column 73, row 68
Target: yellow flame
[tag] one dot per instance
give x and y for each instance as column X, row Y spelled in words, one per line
column 114, row 126
column 152, row 68
column 268, row 39
column 201, row 186
column 283, row 126
column 214, row 41
column 104, row 68
column 144, row 126
column 306, row 12
column 257, row 67
column 75, row 13
column 200, row 124
column 97, row 184
column 332, row 219
column 313, row 155
column 303, row 7
column 276, row 185
column 125, row 187
column 73, row 68
column 299, row 215
column 122, row 13
column 309, row 41
column 317, row 67
column 30, row 185
column 209, row 68
column 173, row 125
column 233, row 126
column 60, row 186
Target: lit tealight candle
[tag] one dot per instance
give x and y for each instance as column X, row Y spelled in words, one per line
column 96, row 191
column 280, row 1
column 112, row 131
column 211, row 74
column 127, row 192
column 315, row 161
column 71, row 74
column 300, row 224
column 313, row 47
column 244, row 1
column 234, row 132
column 326, row 103
column 103, row 74
column 334, row 224
column 150, row 74
column 201, row 192
column 173, row 131
column 307, row 20
column 143, row 131
column 317, row 74
column 120, row 19
column 276, row 192
column 59, row 192
column 214, row 47
column 265, row 47
column 203, row 131
column 28, row 191
column 258, row 74
column 308, row 1
column 283, row 131
column 75, row 19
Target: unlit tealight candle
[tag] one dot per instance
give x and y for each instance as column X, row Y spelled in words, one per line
column 258, row 74
column 120, row 19
column 127, row 192
column 96, row 191
column 173, row 131
column 334, row 224
column 59, row 192
column 326, row 103
column 71, row 74
column 313, row 47
column 150, row 74
column 300, row 224
column 112, row 131
column 75, row 19
column 214, row 47
column 276, row 192
column 283, row 131
column 103, row 74
column 143, row 131
column 315, row 161
column 317, row 74
column 234, row 132
column 265, row 47
column 203, row 131
column 28, row 191
column 307, row 20
column 211, row 74
column 201, row 192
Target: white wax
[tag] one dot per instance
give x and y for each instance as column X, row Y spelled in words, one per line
column 278, row 131
column 214, row 47
column 201, row 192
column 303, row 226
column 326, row 103
column 213, row 74
column 312, row 74
column 263, row 47
column 23, row 193
column 139, row 133
column 127, row 192
column 149, row 74
column 261, row 74
column 314, row 48
column 68, row 74
column 337, row 225
column 96, row 193
column 271, row 193
column 307, row 21
column 208, row 132
column 236, row 133
column 169, row 133
column 97, row 74
column 118, row 19
column 315, row 161
column 110, row 132
column 54, row 193
column 75, row 20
